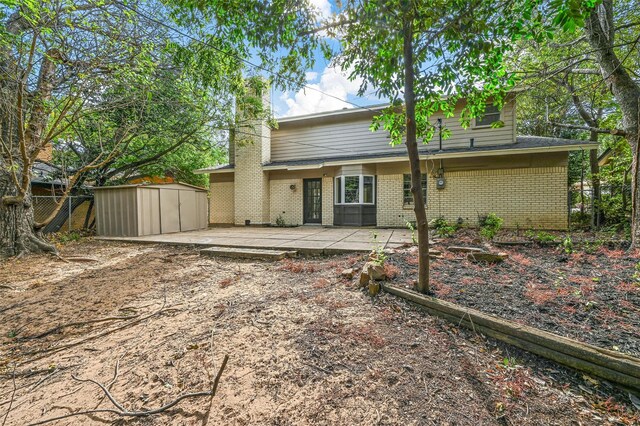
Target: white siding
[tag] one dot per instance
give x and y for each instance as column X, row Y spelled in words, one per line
column 348, row 136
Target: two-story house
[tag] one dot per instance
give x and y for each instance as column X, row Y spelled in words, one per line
column 331, row 169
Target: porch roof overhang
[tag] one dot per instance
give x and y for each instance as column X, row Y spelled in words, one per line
column 523, row 145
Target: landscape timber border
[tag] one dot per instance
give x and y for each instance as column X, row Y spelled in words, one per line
column 615, row 367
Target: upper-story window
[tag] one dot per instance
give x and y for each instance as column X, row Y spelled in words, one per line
column 491, row 115
column 355, row 189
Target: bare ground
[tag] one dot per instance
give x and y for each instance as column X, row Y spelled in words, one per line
column 305, row 347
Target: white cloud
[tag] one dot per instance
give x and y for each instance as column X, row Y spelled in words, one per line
column 311, row 76
column 323, row 6
column 326, row 95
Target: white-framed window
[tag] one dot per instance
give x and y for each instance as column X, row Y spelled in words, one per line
column 407, row 196
column 355, row 189
column 491, row 115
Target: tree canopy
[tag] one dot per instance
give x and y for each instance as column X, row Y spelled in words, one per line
column 125, row 88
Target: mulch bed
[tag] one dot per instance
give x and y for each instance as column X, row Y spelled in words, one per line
column 591, row 295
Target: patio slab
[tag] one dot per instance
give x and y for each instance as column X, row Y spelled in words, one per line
column 310, row 240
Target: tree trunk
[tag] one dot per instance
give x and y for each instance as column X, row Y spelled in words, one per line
column 595, row 185
column 581, row 183
column 17, row 235
column 414, row 159
column 599, row 30
column 635, row 194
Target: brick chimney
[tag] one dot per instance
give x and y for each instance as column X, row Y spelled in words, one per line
column 251, row 148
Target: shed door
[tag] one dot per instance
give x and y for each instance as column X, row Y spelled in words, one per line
column 148, row 211
column 169, row 211
column 188, row 211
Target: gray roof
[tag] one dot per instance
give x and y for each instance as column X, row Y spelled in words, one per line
column 45, row 174
column 152, row 185
column 522, row 143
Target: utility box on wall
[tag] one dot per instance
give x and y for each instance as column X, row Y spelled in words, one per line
column 137, row 210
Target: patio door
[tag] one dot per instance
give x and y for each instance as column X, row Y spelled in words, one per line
column 312, row 194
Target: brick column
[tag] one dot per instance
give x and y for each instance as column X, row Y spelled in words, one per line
column 251, row 187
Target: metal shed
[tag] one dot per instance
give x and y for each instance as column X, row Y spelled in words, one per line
column 149, row 209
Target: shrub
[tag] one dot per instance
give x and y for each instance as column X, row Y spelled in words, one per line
column 580, row 220
column 443, row 228
column 411, row 226
column 280, row 221
column 64, row 237
column 541, row 236
column 490, row 225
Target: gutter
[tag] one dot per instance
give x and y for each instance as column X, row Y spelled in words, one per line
column 436, row 155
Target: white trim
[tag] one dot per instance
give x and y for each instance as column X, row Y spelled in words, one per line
column 360, row 190
column 213, row 170
column 313, row 166
column 340, row 112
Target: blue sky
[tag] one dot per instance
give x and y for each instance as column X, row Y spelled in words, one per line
column 325, row 78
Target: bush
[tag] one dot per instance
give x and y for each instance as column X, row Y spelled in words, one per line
column 580, row 220
column 490, row 225
column 280, row 221
column 541, row 236
column 443, row 228
column 64, row 237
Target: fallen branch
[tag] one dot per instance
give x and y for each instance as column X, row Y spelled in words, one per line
column 13, row 394
column 48, row 351
column 120, row 410
column 60, row 258
column 76, row 324
column 77, row 259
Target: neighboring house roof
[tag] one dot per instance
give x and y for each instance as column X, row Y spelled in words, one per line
column 175, row 185
column 44, row 174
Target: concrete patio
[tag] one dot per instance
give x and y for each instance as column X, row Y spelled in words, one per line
column 304, row 239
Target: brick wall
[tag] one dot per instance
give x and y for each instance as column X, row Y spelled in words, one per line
column 533, row 197
column 221, row 202
column 46, row 154
column 286, row 202
column 251, row 189
column 327, row 201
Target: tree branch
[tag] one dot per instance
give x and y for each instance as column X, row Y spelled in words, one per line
column 153, row 158
column 614, row 132
column 120, row 410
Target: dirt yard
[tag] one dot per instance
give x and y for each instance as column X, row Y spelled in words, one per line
column 305, row 346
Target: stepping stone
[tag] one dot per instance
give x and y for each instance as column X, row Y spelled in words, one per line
column 247, row 253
